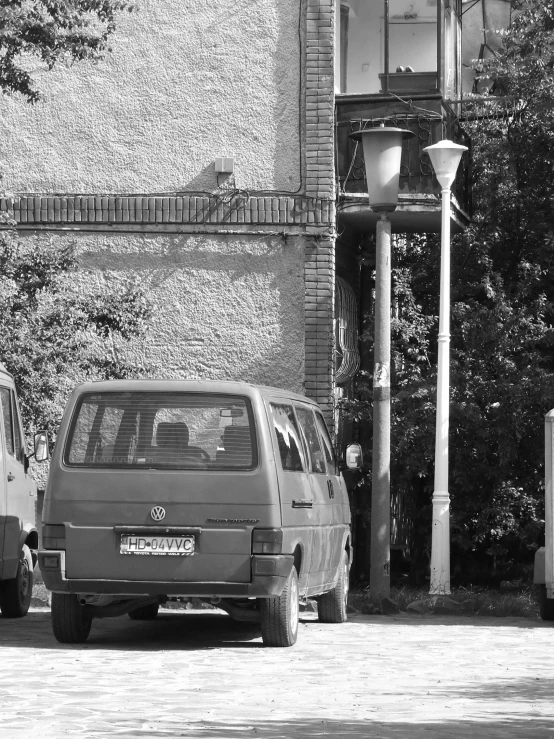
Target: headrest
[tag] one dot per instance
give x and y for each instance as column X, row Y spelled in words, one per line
column 236, row 436
column 172, row 435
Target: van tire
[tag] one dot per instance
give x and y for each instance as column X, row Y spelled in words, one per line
column 332, row 607
column 145, row 613
column 15, row 598
column 70, row 623
column 279, row 615
column 546, row 605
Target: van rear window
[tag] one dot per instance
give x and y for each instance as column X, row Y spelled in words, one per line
column 162, row 430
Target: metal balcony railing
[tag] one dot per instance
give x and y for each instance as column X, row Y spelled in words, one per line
column 431, row 119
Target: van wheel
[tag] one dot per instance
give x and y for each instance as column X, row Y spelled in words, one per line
column 16, row 594
column 145, row 613
column 280, row 615
column 70, row 623
column 332, row 607
column 546, row 605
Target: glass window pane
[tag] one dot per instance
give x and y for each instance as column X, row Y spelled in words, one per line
column 7, row 419
column 412, row 44
column 288, row 437
column 18, row 440
column 108, row 450
column 451, row 53
column 307, row 425
column 156, row 430
column 363, row 52
column 82, row 433
column 342, row 57
column 327, row 443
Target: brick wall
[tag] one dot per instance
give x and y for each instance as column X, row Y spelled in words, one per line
column 320, row 249
column 319, row 274
column 320, row 99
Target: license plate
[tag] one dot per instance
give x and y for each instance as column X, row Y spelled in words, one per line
column 161, row 545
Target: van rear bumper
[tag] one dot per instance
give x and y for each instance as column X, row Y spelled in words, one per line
column 269, row 574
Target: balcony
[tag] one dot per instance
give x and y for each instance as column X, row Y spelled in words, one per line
column 419, row 208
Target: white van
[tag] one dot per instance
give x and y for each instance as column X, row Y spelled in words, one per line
column 226, row 491
column 18, row 533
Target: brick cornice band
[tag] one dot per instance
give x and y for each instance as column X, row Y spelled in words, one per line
column 179, row 209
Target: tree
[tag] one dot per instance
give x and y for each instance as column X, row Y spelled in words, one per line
column 56, row 330
column 502, row 358
column 54, row 31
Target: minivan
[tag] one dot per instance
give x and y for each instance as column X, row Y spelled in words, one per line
column 18, row 494
column 168, row 489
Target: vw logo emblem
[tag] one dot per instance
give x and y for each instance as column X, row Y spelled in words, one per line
column 157, row 513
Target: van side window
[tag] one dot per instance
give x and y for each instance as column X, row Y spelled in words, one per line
column 8, row 421
column 18, row 439
column 309, row 430
column 288, row 437
column 327, row 444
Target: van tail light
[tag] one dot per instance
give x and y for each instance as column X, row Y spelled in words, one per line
column 267, row 541
column 53, row 536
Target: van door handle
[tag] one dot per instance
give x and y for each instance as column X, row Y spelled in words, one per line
column 10, row 477
column 331, row 489
column 306, row 503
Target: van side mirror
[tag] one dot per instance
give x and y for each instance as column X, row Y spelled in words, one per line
column 353, row 457
column 42, row 452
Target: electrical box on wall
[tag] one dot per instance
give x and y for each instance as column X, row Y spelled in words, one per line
column 225, row 165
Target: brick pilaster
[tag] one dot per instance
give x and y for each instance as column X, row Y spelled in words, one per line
column 319, row 273
column 320, row 183
column 320, row 99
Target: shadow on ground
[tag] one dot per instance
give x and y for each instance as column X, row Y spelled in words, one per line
column 186, row 630
column 170, row 630
column 353, row 729
column 527, row 690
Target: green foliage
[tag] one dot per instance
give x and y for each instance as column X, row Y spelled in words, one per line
column 60, row 326
column 502, row 326
column 52, row 31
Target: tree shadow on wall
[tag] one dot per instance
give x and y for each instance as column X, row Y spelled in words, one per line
column 166, row 254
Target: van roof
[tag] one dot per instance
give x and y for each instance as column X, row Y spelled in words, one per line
column 206, row 386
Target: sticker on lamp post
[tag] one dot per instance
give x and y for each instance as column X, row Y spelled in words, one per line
column 381, row 376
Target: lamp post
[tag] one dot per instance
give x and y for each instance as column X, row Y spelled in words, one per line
column 382, row 152
column 445, row 158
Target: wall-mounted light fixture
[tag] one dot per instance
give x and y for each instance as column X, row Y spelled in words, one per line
column 225, row 165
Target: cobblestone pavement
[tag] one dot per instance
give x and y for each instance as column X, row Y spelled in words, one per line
column 199, row 674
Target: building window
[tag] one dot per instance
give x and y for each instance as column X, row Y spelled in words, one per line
column 397, row 46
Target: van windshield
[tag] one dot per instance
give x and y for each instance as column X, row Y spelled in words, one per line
column 162, row 430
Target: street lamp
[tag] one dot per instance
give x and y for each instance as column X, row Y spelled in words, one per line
column 382, row 153
column 445, row 158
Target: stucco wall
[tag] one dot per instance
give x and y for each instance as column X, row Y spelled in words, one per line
column 224, row 307
column 188, row 80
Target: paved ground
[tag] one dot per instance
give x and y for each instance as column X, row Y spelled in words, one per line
column 199, row 674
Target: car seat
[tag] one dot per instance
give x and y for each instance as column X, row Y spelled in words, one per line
column 173, row 445
column 237, row 447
